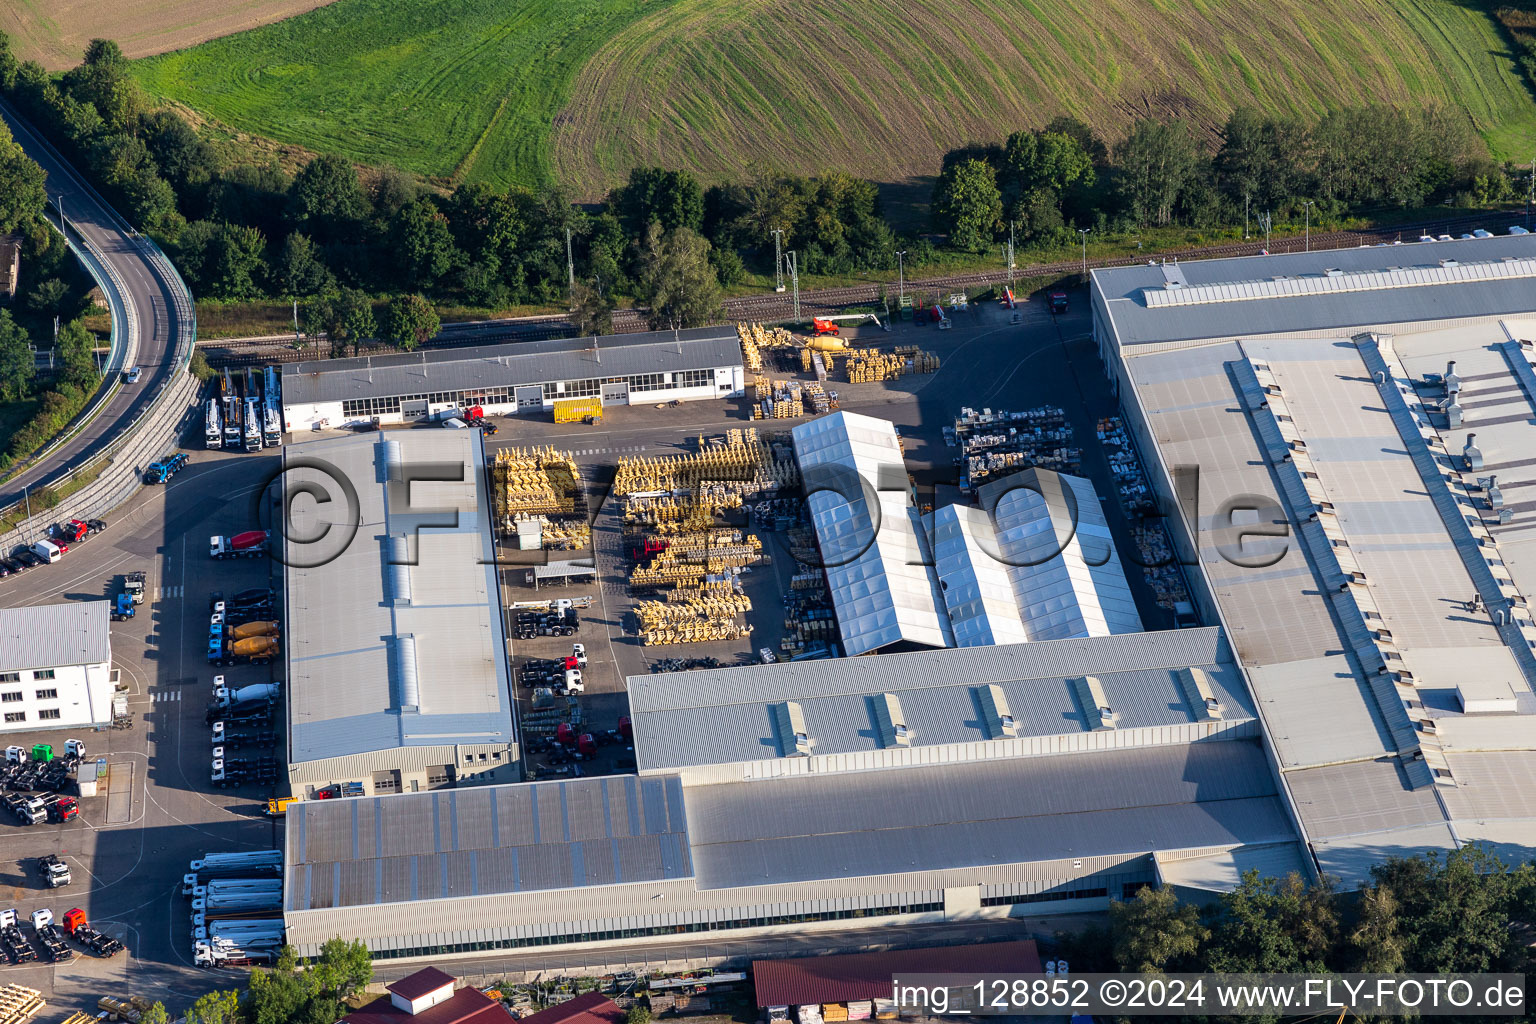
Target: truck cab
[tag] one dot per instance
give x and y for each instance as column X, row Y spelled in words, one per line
column 122, row 608
column 55, row 871
column 1057, row 302
column 133, row 586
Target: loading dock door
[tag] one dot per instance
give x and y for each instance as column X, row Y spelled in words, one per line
column 616, row 393
column 413, row 409
column 530, row 398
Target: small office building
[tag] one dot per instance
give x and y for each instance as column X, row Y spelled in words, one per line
column 518, row 378
column 55, row 666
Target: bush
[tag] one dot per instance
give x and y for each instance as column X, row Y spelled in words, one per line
column 199, row 367
column 45, row 497
column 54, row 412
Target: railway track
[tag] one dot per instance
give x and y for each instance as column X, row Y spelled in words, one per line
column 780, row 306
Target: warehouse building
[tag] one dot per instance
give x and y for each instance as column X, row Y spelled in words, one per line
column 513, row 379
column 897, row 789
column 396, row 655
column 55, row 666
column 1362, row 422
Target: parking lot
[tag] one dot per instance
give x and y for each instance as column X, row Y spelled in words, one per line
column 156, row 809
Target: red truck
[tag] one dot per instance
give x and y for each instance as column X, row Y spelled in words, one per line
column 76, row 530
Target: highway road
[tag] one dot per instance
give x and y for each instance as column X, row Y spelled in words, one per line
column 148, row 297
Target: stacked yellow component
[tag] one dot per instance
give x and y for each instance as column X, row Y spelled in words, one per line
column 805, row 360
column 922, row 361
column 567, row 533
column 705, row 632
column 742, row 464
column 535, row 482
column 691, row 610
column 763, row 387
column 751, row 357
column 866, row 366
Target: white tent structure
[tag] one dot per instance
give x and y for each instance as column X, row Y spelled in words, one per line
column 873, row 545
column 1034, row 562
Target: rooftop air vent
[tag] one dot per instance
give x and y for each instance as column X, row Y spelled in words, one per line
column 1472, row 453
column 1096, row 710
column 994, row 711
column 1333, row 272
column 789, row 721
column 893, row 724
column 1199, row 694
column 398, row 550
column 408, row 697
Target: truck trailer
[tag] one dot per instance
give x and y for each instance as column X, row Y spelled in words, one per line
column 213, row 428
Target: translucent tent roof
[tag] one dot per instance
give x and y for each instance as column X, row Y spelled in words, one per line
column 1043, row 537
column 875, row 551
column 976, row 585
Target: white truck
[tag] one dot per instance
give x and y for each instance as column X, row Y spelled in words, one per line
column 240, row 864
column 225, row 697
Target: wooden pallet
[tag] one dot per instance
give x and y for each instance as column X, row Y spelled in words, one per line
column 19, row 1004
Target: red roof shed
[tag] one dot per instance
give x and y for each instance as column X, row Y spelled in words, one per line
column 837, row 979
column 590, row 1008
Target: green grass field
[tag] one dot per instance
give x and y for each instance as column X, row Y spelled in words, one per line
column 581, row 90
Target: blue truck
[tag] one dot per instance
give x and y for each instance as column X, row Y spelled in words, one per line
column 160, row 472
column 122, row 607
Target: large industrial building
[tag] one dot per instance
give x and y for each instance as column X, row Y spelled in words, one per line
column 55, row 666
column 512, row 379
column 396, row 654
column 1361, row 423
column 1056, row 772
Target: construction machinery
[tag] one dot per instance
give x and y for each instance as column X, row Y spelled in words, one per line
column 559, row 604
column 250, row 544
column 133, row 586
column 213, row 430
column 229, row 399
column 231, row 864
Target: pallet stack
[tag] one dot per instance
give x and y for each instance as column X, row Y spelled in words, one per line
column 742, row 465
column 19, row 1004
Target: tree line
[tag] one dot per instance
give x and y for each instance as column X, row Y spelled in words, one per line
column 55, row 293
column 339, row 241
column 1049, row 183
column 1465, row 911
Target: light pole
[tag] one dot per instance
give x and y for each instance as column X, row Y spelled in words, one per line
column 778, row 260
column 901, row 280
column 1084, row 233
column 26, row 496
column 1308, row 206
column 1245, row 215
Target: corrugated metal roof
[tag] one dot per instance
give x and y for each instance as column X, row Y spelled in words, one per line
column 1223, row 871
column 1335, row 281
column 727, row 715
column 498, row 839
column 873, row 545
column 837, row 979
column 503, row 366
column 55, row 635
column 977, row 590
column 345, row 664
column 1006, row 811
column 589, row 1008
column 1135, row 322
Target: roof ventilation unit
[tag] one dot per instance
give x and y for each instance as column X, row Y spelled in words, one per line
column 1452, row 379
column 1453, row 414
column 1472, row 453
column 1199, row 694
column 994, row 711
column 394, row 460
column 399, row 550
column 893, row 724
column 409, row 695
column 1333, row 272
column 1495, row 493
column 1096, row 709
column 789, row 721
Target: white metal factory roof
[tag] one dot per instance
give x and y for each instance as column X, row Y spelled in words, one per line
column 55, row 635
column 945, row 700
column 506, row 365
column 1004, row 811
column 879, row 570
column 383, row 653
column 1324, row 290
column 1399, row 713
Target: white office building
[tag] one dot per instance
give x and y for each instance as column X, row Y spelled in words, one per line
column 55, row 666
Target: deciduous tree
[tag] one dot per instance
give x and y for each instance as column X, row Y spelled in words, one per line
column 1154, row 932
column 17, row 367
column 677, row 281
column 410, row 321
column 968, row 205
